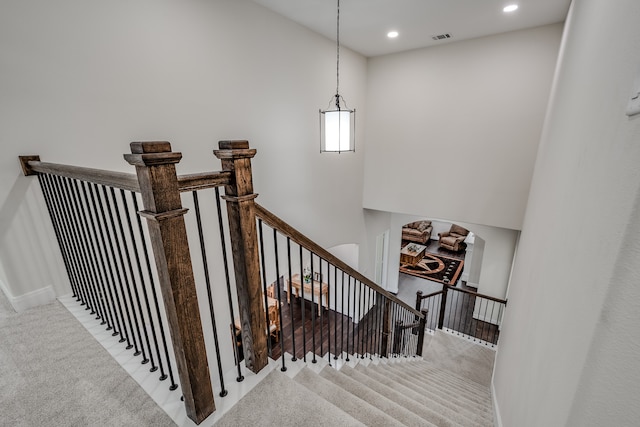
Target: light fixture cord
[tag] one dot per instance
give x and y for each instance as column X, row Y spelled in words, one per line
column 338, row 58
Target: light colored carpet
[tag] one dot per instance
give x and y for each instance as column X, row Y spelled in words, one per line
column 469, row 360
column 54, row 373
column 280, row 401
column 348, row 402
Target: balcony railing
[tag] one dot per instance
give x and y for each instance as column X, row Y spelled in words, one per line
column 291, row 295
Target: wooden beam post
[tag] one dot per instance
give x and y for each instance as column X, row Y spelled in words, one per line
column 386, row 328
column 236, row 157
column 155, row 167
column 421, row 328
column 443, row 305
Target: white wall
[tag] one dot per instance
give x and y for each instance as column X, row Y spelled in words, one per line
column 570, row 329
column 81, row 79
column 453, row 130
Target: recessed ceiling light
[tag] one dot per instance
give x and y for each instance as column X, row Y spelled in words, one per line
column 510, row 8
column 392, row 34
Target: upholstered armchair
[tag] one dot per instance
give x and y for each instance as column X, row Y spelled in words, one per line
column 454, row 238
column 418, row 232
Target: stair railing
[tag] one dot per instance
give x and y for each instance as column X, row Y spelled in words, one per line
column 463, row 312
column 96, row 217
column 347, row 314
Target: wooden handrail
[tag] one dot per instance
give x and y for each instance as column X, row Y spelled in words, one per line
column 274, row 222
column 125, row 181
column 475, row 294
column 203, row 180
column 432, row 294
column 122, row 180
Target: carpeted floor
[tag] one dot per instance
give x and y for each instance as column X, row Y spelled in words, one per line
column 53, row 373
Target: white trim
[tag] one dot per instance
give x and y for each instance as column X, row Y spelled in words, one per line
column 497, row 419
column 32, row 299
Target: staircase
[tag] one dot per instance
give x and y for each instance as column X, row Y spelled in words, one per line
column 378, row 392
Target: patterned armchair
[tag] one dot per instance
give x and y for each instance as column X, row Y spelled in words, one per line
column 418, row 232
column 454, row 238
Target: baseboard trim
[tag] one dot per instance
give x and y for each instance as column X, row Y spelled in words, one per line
column 32, row 299
column 497, row 419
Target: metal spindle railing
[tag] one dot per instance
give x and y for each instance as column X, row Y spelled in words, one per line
column 463, row 312
column 101, row 250
column 106, row 251
column 336, row 314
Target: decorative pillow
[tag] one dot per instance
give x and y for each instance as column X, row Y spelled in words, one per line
column 423, row 225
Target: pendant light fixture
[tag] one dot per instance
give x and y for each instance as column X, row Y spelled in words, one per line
column 337, row 122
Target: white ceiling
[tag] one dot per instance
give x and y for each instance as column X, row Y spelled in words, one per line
column 365, row 23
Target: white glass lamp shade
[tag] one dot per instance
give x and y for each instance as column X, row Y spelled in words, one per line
column 337, row 130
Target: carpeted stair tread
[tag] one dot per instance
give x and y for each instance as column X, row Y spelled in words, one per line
column 439, row 378
column 437, row 375
column 365, row 393
column 464, row 413
column 431, row 366
column 400, row 399
column 452, row 396
column 280, row 401
column 441, row 386
column 348, row 402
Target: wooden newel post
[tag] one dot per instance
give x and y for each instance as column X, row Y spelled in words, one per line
column 443, row 305
column 155, row 167
column 236, row 157
column 386, row 328
column 421, row 328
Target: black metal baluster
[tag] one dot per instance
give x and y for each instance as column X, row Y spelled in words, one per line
column 360, row 322
column 491, row 330
column 321, row 313
column 342, row 321
column 304, row 325
column 239, row 378
column 154, row 294
column 349, row 315
column 142, row 282
column 111, row 285
column 365, row 321
column 375, row 329
column 328, row 312
column 65, row 197
column 396, row 319
column 57, row 228
column 62, row 199
column 278, row 298
column 486, row 322
column 46, row 182
column 482, row 323
column 264, row 287
column 91, row 301
column 370, row 315
column 134, row 284
column 93, row 244
column 123, row 248
column 95, row 225
column 293, row 328
column 205, row 265
column 105, row 263
column 335, row 312
column 113, row 239
column 313, row 311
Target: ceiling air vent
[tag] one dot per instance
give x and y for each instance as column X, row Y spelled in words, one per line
column 441, row 37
